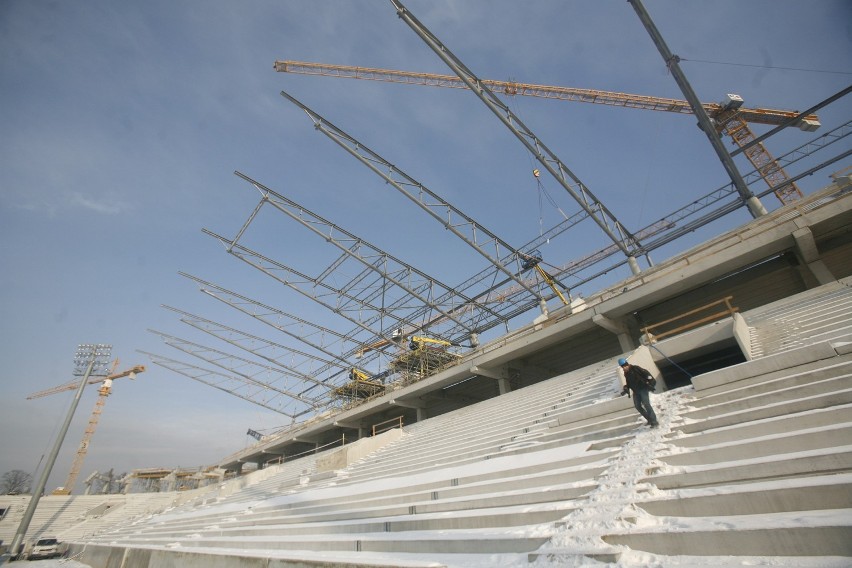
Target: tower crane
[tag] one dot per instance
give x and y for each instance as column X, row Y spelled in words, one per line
column 103, row 393
column 729, row 116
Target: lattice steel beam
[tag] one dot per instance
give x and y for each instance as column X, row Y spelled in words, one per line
column 285, row 357
column 245, row 368
column 236, row 386
column 418, row 284
column 318, row 337
column 450, row 217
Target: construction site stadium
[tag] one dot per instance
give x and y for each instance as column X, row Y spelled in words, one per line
column 483, row 424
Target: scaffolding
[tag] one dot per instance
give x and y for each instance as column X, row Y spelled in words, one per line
column 422, row 362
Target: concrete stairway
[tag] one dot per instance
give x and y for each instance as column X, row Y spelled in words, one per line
column 760, row 465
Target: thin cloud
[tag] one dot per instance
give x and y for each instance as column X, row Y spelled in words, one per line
column 106, row 206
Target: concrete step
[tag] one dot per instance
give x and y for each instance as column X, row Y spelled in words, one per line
column 815, row 378
column 804, row 464
column 471, row 489
column 805, row 494
column 767, row 427
column 468, row 520
column 815, row 534
column 763, row 412
column 412, row 504
column 783, row 443
column 461, row 542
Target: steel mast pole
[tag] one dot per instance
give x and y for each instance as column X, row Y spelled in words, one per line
column 89, row 355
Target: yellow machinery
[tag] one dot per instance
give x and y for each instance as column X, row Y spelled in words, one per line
column 532, row 261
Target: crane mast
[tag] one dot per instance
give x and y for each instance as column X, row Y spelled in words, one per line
column 731, row 118
column 94, row 418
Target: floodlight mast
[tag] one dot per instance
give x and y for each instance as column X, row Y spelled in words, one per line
column 90, row 359
column 625, row 241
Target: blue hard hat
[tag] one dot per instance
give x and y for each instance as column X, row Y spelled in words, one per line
column 622, row 362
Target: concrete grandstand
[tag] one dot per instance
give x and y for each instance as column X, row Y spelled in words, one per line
column 523, row 452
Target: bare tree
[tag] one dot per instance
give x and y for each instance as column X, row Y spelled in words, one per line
column 15, row 481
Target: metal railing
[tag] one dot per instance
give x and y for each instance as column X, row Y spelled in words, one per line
column 316, row 450
column 727, row 311
column 387, row 425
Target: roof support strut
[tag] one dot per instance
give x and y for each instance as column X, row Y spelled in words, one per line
column 625, row 241
column 754, row 205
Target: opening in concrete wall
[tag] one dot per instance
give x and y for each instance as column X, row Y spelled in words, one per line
column 697, row 352
column 678, row 370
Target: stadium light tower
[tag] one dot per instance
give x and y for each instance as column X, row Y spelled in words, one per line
column 90, row 359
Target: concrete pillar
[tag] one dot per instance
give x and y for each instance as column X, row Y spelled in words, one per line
column 808, row 253
column 419, row 407
column 619, row 328
column 500, row 375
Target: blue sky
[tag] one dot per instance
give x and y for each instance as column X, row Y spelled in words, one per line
column 122, row 125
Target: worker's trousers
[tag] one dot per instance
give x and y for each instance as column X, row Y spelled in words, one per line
column 642, row 402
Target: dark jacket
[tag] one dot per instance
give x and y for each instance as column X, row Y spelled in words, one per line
column 638, row 379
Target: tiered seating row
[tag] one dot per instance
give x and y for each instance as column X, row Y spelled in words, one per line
column 367, row 504
column 818, row 315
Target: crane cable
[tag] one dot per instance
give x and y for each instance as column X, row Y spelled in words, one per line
column 542, row 190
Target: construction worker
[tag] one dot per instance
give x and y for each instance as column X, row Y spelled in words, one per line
column 641, row 382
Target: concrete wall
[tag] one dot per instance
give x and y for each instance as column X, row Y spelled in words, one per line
column 356, row 450
column 742, row 335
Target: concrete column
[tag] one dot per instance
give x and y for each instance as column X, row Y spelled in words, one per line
column 808, row 253
column 419, row 407
column 619, row 328
column 500, row 375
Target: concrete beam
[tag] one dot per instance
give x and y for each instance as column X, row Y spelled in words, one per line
column 407, row 404
column 499, row 373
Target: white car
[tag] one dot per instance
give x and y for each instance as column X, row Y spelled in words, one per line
column 47, row 547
